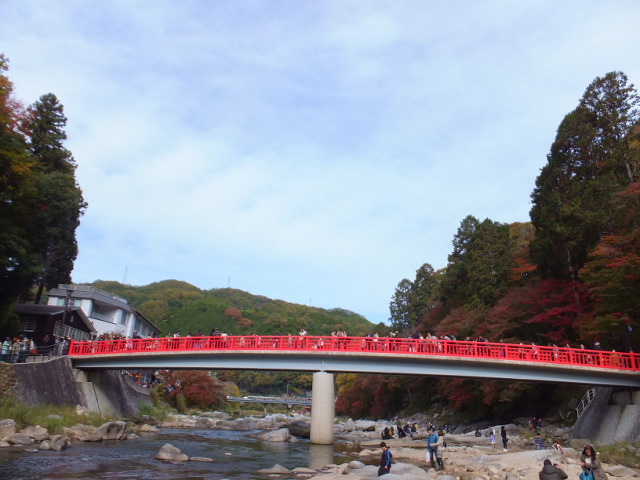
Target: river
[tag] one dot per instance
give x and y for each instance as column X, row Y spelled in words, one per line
column 236, row 457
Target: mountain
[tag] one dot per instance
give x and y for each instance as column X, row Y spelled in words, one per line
column 176, row 306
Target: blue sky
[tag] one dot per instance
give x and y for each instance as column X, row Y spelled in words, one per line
column 316, row 152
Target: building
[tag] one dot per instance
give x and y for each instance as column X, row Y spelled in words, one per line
column 106, row 312
column 42, row 323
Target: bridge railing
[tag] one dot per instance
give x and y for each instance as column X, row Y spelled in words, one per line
column 450, row 348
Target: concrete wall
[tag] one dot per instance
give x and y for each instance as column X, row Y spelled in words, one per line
column 606, row 421
column 55, row 382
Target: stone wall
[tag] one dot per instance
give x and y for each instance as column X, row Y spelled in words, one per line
column 55, row 382
column 605, row 421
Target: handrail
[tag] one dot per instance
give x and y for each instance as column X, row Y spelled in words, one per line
column 586, row 399
column 602, row 359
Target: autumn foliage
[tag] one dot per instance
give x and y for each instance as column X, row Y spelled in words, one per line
column 198, row 388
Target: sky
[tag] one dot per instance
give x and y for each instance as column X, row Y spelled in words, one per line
column 316, row 152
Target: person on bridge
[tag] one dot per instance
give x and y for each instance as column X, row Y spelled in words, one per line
column 385, row 460
column 551, row 471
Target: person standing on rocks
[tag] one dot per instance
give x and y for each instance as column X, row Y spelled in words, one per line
column 385, row 460
column 505, row 439
column 432, row 446
column 591, row 464
column 551, row 471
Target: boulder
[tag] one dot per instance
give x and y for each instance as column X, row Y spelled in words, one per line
column 366, row 425
column 278, row 469
column 242, row 424
column 356, row 464
column 200, row 459
column 45, row 445
column 169, row 453
column 303, row 471
column 281, row 435
column 271, row 422
column 406, row 470
column 7, row 427
column 31, row 450
column 80, row 410
column 60, row 442
column 78, row 430
column 37, row 432
column 107, row 431
column 19, row 439
column 4, row 444
column 350, row 425
column 299, row 428
column 620, row 471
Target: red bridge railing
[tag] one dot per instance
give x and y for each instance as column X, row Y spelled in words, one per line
column 449, row 348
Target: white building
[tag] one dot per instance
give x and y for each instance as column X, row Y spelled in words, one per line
column 108, row 313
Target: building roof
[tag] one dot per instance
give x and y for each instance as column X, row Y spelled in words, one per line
column 52, row 310
column 87, row 291
column 93, row 293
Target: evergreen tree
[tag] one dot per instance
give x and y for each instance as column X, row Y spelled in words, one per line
column 58, row 206
column 480, row 265
column 590, row 159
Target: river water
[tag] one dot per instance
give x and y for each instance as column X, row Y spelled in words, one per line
column 235, row 457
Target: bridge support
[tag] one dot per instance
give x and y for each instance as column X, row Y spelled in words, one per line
column 323, row 408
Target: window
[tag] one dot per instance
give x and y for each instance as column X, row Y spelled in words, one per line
column 29, row 324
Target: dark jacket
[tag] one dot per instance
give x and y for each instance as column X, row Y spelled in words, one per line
column 385, row 459
column 549, row 472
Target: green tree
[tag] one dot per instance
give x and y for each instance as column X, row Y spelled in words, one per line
column 16, row 173
column 58, row 204
column 400, row 306
column 590, row 159
column 480, row 265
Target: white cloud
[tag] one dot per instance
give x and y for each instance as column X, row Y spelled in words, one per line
column 313, row 152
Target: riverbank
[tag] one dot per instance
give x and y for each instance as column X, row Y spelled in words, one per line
column 467, row 457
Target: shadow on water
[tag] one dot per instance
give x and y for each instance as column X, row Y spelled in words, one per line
column 235, row 456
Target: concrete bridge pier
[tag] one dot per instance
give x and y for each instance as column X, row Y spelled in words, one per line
column 323, row 408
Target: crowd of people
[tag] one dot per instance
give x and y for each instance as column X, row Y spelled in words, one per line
column 18, row 349
column 435, row 443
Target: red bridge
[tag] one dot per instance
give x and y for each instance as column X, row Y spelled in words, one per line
column 365, row 355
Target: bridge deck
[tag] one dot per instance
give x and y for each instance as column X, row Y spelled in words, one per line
column 609, row 360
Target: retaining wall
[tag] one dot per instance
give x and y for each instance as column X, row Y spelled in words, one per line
column 55, row 382
column 606, row 421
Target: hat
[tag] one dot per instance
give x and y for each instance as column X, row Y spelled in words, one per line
column 547, row 462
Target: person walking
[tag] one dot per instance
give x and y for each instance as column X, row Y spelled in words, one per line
column 590, row 464
column 505, row 439
column 385, row 460
column 551, row 471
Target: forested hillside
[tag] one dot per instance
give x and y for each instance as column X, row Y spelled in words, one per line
column 175, row 306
